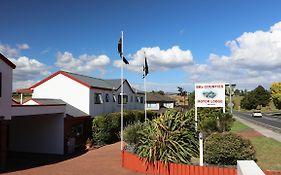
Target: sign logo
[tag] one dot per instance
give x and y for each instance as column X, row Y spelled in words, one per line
column 209, row 94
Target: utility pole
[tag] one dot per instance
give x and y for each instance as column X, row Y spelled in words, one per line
column 230, row 91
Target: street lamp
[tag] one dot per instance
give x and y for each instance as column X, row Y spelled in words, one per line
column 230, row 89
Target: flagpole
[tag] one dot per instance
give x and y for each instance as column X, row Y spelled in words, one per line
column 122, row 91
column 144, row 82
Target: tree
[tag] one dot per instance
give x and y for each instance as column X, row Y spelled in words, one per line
column 191, row 100
column 262, row 96
column 182, row 93
column 161, row 92
column 258, row 97
column 237, row 92
column 158, row 92
column 276, row 94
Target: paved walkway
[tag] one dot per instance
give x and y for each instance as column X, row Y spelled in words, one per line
column 102, row 161
column 264, row 131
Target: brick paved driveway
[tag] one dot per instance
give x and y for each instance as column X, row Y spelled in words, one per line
column 102, row 161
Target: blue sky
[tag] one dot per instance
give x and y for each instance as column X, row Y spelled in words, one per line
column 206, row 38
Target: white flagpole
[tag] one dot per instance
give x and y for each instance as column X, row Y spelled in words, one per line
column 144, row 82
column 122, row 90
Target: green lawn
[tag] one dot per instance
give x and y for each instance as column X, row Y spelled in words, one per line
column 268, row 150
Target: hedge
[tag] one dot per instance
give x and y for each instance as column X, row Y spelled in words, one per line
column 106, row 128
column 227, row 148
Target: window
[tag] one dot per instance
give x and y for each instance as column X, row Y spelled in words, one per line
column 125, row 99
column 138, row 99
column 98, row 98
column 106, row 97
column 77, row 130
column 113, row 98
column 141, row 100
column 0, row 84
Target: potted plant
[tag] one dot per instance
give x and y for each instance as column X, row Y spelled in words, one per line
column 89, row 144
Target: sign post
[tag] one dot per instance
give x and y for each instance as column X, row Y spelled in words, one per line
column 208, row 95
column 201, row 149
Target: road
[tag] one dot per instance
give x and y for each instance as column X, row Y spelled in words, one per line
column 266, row 120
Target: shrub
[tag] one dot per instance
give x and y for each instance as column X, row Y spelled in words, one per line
column 227, row 148
column 169, row 138
column 131, row 133
column 214, row 120
column 132, row 136
column 106, row 128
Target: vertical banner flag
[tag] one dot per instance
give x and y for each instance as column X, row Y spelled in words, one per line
column 120, row 50
column 145, row 67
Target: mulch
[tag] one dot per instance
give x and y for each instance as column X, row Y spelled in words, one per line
column 250, row 133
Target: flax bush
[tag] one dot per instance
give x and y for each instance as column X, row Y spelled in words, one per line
column 169, row 138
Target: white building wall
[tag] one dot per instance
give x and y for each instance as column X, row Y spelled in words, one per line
column 30, row 110
column 39, row 134
column 6, row 97
column 30, row 102
column 152, row 106
column 104, row 107
column 130, row 105
column 66, row 89
column 111, row 106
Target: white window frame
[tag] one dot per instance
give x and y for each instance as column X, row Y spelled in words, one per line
column 98, row 98
column 113, row 98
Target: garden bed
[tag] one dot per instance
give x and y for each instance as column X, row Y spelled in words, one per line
column 135, row 163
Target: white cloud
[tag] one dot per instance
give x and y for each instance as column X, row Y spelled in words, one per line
column 166, row 87
column 255, row 59
column 23, row 46
column 23, row 84
column 27, row 72
column 83, row 64
column 9, row 51
column 28, row 69
column 159, row 59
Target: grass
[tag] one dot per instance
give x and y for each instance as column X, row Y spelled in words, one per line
column 268, row 151
column 239, row 127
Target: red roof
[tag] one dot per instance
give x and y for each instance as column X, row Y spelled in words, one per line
column 87, row 81
column 55, row 74
column 24, row 91
column 7, row 61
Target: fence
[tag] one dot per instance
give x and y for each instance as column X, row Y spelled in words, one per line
column 133, row 162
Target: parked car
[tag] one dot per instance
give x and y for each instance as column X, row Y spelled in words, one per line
column 256, row 114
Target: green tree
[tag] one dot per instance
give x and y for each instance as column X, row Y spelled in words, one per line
column 249, row 101
column 276, row 94
column 158, row 92
column 182, row 93
column 258, row 97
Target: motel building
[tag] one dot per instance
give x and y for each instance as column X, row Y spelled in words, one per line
column 59, row 112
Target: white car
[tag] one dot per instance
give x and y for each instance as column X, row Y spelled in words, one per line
column 256, row 114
